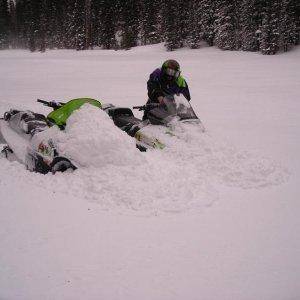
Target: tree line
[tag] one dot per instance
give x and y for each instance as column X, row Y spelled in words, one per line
column 267, row 26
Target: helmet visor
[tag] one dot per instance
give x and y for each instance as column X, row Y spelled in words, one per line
column 172, row 72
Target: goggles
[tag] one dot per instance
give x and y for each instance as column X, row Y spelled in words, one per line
column 172, row 72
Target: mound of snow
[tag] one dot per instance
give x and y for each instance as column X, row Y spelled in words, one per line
column 91, row 139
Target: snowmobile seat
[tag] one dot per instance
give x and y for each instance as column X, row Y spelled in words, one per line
column 115, row 112
column 126, row 122
column 124, row 119
column 123, row 116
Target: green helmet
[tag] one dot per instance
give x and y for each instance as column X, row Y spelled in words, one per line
column 171, row 69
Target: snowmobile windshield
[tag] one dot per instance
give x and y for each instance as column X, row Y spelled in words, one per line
column 171, row 108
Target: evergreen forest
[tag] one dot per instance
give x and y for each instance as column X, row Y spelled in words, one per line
column 267, row 26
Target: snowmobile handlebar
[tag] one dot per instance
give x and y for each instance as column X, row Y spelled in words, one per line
column 147, row 106
column 53, row 104
column 139, row 107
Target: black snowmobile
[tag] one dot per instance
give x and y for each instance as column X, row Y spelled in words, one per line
column 161, row 120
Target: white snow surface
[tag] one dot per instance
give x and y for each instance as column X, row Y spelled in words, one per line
column 214, row 215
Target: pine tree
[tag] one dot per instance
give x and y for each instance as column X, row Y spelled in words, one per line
column 31, row 24
column 42, row 26
column 169, row 25
column 175, row 24
column 4, row 24
column 88, row 24
column 288, row 35
column 208, row 19
column 96, row 20
column 12, row 24
column 74, row 25
column 129, row 23
column 250, row 22
column 69, row 25
column 79, row 25
column 226, row 25
column 183, row 21
column 27, row 11
column 105, row 15
column 33, row 18
column 194, row 34
column 296, row 14
column 22, row 21
column 150, row 23
column 54, row 23
column 270, row 30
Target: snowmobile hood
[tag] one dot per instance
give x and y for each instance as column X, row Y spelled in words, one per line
column 60, row 115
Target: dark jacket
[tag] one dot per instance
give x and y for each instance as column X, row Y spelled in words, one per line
column 158, row 86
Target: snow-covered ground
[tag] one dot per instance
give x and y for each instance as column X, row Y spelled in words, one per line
column 213, row 216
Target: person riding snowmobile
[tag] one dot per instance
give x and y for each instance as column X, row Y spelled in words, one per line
column 166, row 81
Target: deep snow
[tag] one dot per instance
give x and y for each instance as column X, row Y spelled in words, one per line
column 213, row 216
